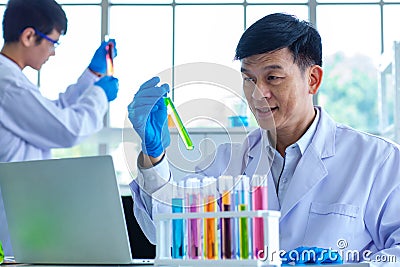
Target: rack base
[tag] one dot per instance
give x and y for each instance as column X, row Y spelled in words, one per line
column 205, row 263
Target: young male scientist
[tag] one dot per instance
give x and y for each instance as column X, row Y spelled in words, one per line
column 30, row 124
column 330, row 182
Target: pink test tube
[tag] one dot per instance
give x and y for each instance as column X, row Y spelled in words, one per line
column 259, row 202
column 193, row 202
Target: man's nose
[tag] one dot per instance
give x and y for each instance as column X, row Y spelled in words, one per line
column 261, row 91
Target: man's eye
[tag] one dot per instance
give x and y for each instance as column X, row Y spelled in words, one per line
column 248, row 79
column 271, row 78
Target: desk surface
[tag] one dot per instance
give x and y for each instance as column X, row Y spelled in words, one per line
column 149, row 265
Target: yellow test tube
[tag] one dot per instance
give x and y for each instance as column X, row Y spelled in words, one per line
column 179, row 124
column 210, row 196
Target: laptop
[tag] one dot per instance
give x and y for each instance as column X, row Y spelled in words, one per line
column 66, row 211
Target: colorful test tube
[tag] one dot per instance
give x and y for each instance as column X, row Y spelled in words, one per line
column 243, row 188
column 225, row 187
column 259, row 202
column 210, row 194
column 193, row 201
column 178, row 231
column 235, row 221
column 183, row 133
column 109, row 59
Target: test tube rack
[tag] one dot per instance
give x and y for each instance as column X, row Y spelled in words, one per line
column 270, row 218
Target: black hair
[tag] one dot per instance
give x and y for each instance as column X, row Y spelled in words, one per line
column 280, row 30
column 43, row 15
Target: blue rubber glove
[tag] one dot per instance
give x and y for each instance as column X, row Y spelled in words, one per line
column 148, row 115
column 98, row 63
column 304, row 255
column 110, row 86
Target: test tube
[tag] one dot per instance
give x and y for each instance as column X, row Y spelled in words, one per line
column 178, row 231
column 179, row 124
column 235, row 221
column 109, row 59
column 225, row 187
column 194, row 249
column 243, row 188
column 210, row 194
column 260, row 202
column 250, row 223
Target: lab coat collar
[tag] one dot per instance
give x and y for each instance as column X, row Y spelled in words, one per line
column 309, row 171
column 311, row 168
column 323, row 141
column 259, row 156
column 305, row 140
column 13, row 70
column 9, row 63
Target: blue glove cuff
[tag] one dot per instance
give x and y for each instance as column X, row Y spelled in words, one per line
column 110, row 86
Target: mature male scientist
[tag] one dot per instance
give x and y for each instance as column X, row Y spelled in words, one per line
column 330, row 182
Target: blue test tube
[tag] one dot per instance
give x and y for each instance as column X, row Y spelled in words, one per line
column 178, row 230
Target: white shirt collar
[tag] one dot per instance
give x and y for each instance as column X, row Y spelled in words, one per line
column 304, row 141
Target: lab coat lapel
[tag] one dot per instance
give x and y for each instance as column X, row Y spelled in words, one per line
column 309, row 172
column 311, row 169
column 273, row 201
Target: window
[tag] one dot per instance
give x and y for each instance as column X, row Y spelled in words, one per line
column 74, row 53
column 144, row 42
column 391, row 19
column 351, row 48
column 158, row 36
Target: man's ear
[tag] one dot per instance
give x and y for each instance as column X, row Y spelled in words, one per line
column 28, row 37
column 314, row 79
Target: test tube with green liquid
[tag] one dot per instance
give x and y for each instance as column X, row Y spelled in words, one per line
column 179, row 124
column 243, row 189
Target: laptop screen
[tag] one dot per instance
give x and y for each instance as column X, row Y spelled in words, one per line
column 65, row 211
column 141, row 248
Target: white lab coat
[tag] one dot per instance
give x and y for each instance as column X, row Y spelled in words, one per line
column 31, row 125
column 346, row 187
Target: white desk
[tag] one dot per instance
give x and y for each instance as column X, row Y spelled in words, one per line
column 308, row 265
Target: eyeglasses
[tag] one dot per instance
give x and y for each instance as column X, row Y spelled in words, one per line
column 54, row 42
